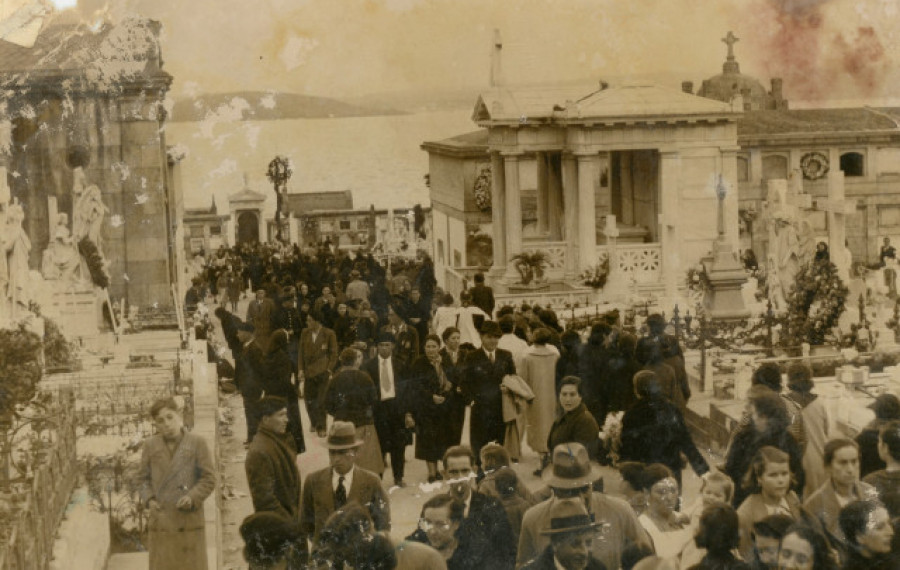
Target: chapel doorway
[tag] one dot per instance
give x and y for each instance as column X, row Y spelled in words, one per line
column 248, row 228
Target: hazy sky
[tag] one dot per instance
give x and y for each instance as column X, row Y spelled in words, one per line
column 340, row 48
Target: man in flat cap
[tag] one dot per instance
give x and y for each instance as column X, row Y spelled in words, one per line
column 392, row 414
column 484, row 371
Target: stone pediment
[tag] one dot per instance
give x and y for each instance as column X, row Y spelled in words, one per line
column 246, row 195
column 534, row 103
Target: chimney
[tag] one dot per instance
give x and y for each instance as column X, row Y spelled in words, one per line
column 777, row 93
column 496, row 68
column 745, row 95
column 687, row 87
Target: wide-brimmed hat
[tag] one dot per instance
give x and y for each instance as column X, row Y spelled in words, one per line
column 243, row 326
column 886, row 406
column 342, row 436
column 491, row 328
column 568, row 516
column 385, row 336
column 571, row 467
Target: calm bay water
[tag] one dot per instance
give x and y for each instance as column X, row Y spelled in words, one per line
column 377, row 158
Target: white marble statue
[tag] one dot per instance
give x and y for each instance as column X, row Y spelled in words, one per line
column 16, row 247
column 61, row 260
column 88, row 210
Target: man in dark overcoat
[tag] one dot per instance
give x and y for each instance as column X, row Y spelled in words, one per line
column 249, row 367
column 271, row 465
column 392, row 415
column 484, row 371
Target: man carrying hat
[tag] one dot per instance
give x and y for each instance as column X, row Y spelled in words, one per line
column 329, row 489
column 484, row 371
column 571, row 476
column 571, row 532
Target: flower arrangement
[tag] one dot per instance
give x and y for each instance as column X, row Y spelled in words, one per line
column 482, row 189
column 815, row 303
column 611, row 436
column 595, row 275
column 95, row 263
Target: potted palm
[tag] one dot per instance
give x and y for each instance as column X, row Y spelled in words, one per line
column 530, row 265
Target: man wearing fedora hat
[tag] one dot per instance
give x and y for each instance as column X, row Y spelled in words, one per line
column 571, row 531
column 249, row 367
column 484, row 372
column 329, row 489
column 571, row 476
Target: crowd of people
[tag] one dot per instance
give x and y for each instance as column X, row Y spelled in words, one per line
column 396, row 362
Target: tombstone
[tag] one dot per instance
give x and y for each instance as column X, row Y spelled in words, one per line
column 726, row 274
column 837, row 209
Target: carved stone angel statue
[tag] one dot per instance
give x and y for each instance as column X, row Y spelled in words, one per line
column 88, row 210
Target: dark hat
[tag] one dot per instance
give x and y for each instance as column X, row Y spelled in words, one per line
column 269, row 405
column 243, row 326
column 267, row 535
column 289, row 291
column 491, row 328
column 354, row 274
column 569, row 516
column 342, row 436
column 385, row 336
column 886, row 406
column 571, row 467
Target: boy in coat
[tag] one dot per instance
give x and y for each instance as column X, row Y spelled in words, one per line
column 271, row 466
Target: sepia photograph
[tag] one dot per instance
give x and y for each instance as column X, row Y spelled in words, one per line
column 449, row 284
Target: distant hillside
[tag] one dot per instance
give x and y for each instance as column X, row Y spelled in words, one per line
column 266, row 106
column 413, row 101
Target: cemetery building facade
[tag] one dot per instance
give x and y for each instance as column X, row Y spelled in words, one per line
column 575, row 171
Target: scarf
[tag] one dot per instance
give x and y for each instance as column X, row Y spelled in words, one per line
column 445, row 385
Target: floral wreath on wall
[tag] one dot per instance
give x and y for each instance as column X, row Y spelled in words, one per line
column 482, row 189
column 814, row 165
column 815, row 303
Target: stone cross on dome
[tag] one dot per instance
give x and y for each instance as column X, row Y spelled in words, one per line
column 730, row 40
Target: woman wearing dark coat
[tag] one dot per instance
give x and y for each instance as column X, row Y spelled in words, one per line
column 432, row 393
column 567, row 365
column 622, row 366
column 453, row 357
column 653, row 430
column 577, row 423
column 593, row 370
column 768, row 426
column 649, row 353
column 277, row 382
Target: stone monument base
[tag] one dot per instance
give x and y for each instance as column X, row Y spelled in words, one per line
column 77, row 311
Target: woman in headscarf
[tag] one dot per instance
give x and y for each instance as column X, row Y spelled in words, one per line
column 432, row 406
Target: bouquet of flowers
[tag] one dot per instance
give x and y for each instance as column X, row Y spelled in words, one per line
column 611, row 436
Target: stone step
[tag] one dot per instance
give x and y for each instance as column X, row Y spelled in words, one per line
column 129, row 561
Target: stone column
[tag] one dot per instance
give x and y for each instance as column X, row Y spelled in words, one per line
column 513, row 212
column 729, row 177
column 498, row 216
column 543, row 196
column 587, row 216
column 669, row 191
column 570, row 207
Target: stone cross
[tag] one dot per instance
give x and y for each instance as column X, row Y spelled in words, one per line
column 837, row 208
column 730, row 40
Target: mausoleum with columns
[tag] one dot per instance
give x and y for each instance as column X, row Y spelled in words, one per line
column 630, row 169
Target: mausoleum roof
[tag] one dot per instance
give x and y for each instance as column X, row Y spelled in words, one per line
column 569, row 104
column 473, row 143
column 818, row 121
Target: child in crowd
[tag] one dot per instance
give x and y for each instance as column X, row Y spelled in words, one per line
column 766, row 537
column 769, row 481
column 716, row 488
